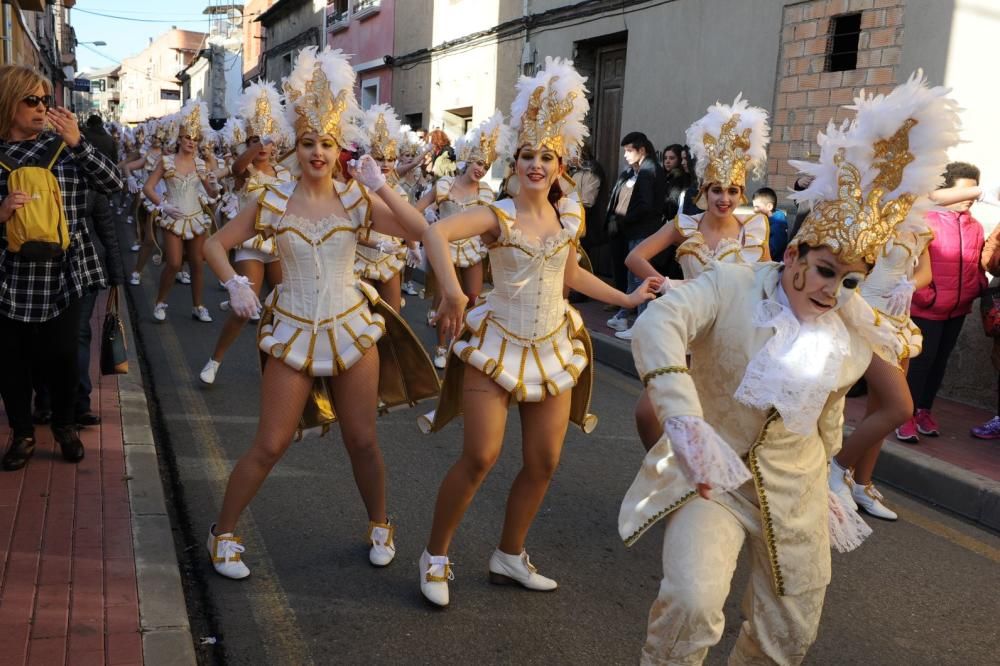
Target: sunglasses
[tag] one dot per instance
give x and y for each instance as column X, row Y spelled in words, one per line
column 35, row 100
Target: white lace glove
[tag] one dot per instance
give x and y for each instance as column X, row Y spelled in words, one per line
column 170, row 210
column 430, row 215
column 133, row 185
column 900, row 298
column 366, row 171
column 702, row 455
column 414, row 257
column 990, row 193
column 243, row 302
column 386, row 246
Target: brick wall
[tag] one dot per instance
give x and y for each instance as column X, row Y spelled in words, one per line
column 807, row 96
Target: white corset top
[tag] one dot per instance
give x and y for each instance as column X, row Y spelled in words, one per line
column 257, row 181
column 448, row 206
column 183, row 191
column 527, row 298
column 694, row 254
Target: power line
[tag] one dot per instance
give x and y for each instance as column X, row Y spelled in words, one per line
column 207, row 19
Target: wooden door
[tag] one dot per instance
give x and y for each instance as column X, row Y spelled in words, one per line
column 609, row 95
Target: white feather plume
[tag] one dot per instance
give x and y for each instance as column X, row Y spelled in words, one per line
column 340, row 76
column 411, row 142
column 568, row 80
column 234, row 133
column 392, row 124
column 246, row 107
column 753, row 118
column 468, row 144
column 878, row 118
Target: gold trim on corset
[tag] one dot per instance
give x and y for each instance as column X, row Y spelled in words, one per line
column 765, row 510
column 321, row 323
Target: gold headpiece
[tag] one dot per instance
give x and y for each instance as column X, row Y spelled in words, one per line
column 193, row 121
column 383, row 145
column 550, row 107
column 867, row 181
column 320, row 94
column 260, row 106
column 487, row 141
column 726, row 142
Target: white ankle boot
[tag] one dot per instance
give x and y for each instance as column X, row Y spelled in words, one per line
column 435, row 572
column 383, row 547
column 871, row 501
column 227, row 551
column 842, row 484
column 507, row 569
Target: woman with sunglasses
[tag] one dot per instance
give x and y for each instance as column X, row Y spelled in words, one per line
column 40, row 299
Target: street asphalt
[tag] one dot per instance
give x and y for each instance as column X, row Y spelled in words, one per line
column 921, row 591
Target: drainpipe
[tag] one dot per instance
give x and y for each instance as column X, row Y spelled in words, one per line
column 527, row 51
column 322, row 28
column 8, row 37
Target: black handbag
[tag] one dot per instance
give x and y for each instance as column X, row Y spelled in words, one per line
column 114, row 352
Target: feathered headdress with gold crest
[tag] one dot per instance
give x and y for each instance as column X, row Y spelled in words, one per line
column 727, row 142
column 193, row 121
column 490, row 139
column 549, row 109
column 873, row 170
column 320, row 96
column 261, row 109
column 234, row 133
column 383, row 132
column 410, row 142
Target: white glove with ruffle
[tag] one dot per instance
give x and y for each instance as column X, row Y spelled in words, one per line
column 169, row 209
column 989, row 193
column 243, row 302
column 430, row 215
column 133, row 185
column 414, row 257
column 900, row 297
column 702, row 455
column 367, row 172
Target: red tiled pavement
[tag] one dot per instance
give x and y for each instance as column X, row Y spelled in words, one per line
column 955, row 445
column 68, row 590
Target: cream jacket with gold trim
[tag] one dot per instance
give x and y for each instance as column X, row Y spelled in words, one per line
column 711, row 318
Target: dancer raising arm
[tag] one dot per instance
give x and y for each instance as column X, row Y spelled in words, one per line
column 322, row 321
column 524, row 343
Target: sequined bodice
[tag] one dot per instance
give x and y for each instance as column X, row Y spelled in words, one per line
column 183, row 191
column 693, row 254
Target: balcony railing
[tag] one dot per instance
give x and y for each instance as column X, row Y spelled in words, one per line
column 363, row 8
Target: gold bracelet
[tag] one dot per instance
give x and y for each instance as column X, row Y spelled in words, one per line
column 669, row 370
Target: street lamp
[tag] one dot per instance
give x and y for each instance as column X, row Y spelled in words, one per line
column 97, row 43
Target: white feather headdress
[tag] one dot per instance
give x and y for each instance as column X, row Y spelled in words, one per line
column 411, row 143
column 234, row 133
column 194, row 121
column 489, row 140
column 872, row 171
column 383, row 132
column 320, row 96
column 549, row 108
column 261, row 108
column 727, row 142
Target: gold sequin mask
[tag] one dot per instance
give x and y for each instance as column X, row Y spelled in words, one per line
column 855, row 225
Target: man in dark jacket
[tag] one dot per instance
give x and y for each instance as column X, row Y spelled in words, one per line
column 635, row 211
column 100, row 139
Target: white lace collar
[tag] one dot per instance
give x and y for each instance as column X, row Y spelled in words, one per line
column 797, row 369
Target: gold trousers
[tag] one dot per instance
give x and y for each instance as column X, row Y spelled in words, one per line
column 702, row 543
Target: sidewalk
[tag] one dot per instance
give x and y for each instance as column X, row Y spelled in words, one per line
column 77, row 584
column 955, row 471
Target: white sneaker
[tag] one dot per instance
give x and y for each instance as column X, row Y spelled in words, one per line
column 842, row 484
column 435, row 572
column 409, row 287
column 135, row 280
column 157, row 259
column 871, row 501
column 226, row 551
column 183, row 277
column 383, row 547
column 129, row 219
column 430, row 317
column 160, row 312
column 209, row 371
column 507, row 569
column 200, row 312
column 619, row 322
column 624, row 335
column 135, row 247
column 441, row 358
column 224, row 306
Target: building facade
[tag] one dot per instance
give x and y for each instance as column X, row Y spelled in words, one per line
column 288, row 27
column 34, row 33
column 365, row 29
column 655, row 66
column 104, row 96
column 148, row 81
column 253, row 39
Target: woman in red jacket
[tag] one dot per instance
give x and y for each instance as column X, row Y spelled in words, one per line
column 939, row 309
